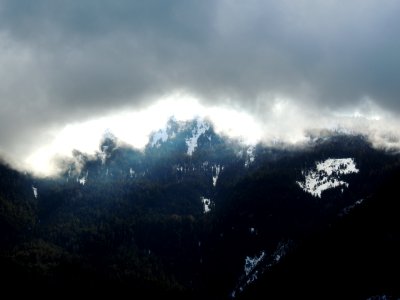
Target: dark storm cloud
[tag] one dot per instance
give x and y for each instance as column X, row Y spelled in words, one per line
column 62, row 61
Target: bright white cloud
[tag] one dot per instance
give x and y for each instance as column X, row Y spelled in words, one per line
column 135, row 127
column 282, row 121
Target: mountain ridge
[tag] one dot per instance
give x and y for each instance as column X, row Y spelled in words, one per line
column 209, row 223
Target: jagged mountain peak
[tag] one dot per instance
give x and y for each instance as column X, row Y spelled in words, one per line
column 162, row 135
column 185, row 133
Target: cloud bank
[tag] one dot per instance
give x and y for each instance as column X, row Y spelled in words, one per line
column 312, row 61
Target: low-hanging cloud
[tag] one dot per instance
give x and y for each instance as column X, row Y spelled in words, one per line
column 65, row 61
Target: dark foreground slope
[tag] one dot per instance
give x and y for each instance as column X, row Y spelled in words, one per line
column 356, row 257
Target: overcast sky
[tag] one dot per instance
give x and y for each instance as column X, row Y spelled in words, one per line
column 71, row 61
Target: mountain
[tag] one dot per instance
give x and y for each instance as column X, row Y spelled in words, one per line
column 199, row 215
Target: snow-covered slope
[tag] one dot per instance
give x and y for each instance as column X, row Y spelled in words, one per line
column 159, row 137
column 191, row 142
column 257, row 265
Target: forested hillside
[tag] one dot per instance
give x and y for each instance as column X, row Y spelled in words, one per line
column 197, row 215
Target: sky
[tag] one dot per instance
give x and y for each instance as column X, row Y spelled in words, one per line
column 69, row 70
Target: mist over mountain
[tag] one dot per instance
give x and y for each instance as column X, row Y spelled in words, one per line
column 199, row 215
column 277, row 177
column 291, row 67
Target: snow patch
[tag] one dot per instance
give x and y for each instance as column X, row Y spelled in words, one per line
column 340, row 166
column 206, row 204
column 103, row 154
column 35, row 192
column 251, row 262
column 347, row 210
column 250, row 156
column 326, row 175
column 201, row 128
column 258, row 265
column 159, row 137
column 83, row 180
column 216, row 172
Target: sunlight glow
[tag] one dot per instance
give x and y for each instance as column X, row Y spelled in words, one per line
column 283, row 121
column 135, row 127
